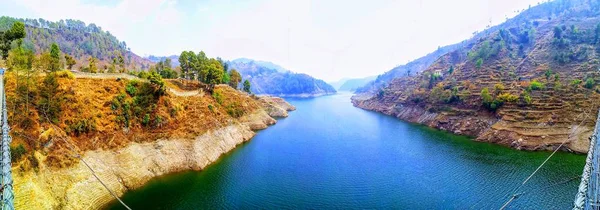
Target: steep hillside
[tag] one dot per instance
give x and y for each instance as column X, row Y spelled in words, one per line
column 530, row 83
column 354, row 84
column 129, row 131
column 410, row 68
column 271, row 81
column 77, row 39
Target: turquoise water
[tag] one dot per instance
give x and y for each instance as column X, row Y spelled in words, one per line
column 329, row 154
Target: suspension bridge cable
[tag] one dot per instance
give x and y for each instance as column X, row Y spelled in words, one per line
column 72, row 148
column 515, row 195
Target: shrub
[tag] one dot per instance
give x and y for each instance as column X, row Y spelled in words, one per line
column 526, row 97
column 65, row 74
column 479, row 63
column 589, row 83
column 131, row 87
column 211, row 108
column 498, row 88
column 218, row 97
column 576, row 82
column 82, row 126
column 535, row 85
column 486, row 97
column 17, row 152
column 234, row 111
column 146, row 119
column 507, row 97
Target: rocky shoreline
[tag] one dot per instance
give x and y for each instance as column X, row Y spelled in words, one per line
column 483, row 126
column 131, row 167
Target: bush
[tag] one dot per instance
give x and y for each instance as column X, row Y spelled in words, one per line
column 82, row 126
column 218, row 97
column 507, row 97
column 535, row 85
column 65, row 74
column 211, row 108
column 589, row 83
column 526, row 97
column 479, row 63
column 146, row 119
column 130, row 88
column 234, row 111
column 17, row 152
column 576, row 82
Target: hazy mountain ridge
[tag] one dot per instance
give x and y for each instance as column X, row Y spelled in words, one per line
column 279, row 81
column 354, row 84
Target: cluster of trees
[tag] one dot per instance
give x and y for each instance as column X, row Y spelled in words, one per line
column 211, row 71
column 164, row 68
column 495, row 100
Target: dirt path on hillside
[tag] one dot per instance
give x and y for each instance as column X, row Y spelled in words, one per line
column 182, row 93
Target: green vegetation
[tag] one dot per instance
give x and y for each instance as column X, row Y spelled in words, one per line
column 479, row 63
column 247, row 86
column 536, row 85
column 525, row 97
column 15, row 33
column 54, row 58
column 75, row 38
column 17, row 152
column 576, row 82
column 164, row 69
column 589, row 83
column 70, row 61
column 234, row 78
column 139, row 103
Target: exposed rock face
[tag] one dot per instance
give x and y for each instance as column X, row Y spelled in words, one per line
column 130, row 167
column 486, row 127
column 275, row 106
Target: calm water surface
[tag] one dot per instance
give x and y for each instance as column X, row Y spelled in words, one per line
column 329, row 154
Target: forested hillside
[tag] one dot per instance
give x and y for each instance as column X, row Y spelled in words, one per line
column 268, row 79
column 531, row 82
column 78, row 40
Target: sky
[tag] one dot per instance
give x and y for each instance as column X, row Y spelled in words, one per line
column 328, row 39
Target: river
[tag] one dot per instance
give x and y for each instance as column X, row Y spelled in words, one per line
column 329, row 154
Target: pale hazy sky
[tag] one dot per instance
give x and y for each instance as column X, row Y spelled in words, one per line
column 328, row 39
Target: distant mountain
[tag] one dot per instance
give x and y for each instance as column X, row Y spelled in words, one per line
column 354, row 84
column 156, row 59
column 77, row 39
column 271, row 79
column 265, row 64
column 339, row 83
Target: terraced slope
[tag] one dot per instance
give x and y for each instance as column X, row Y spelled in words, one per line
column 539, row 70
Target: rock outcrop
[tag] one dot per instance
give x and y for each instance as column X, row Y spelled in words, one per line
column 130, row 167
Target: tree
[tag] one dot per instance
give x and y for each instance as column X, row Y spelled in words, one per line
column 16, row 32
column 92, row 67
column 234, row 78
column 479, row 63
column 213, row 73
column 50, row 99
column 589, row 83
column 247, row 86
column 557, row 32
column 486, row 97
column 70, row 61
column 54, row 57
